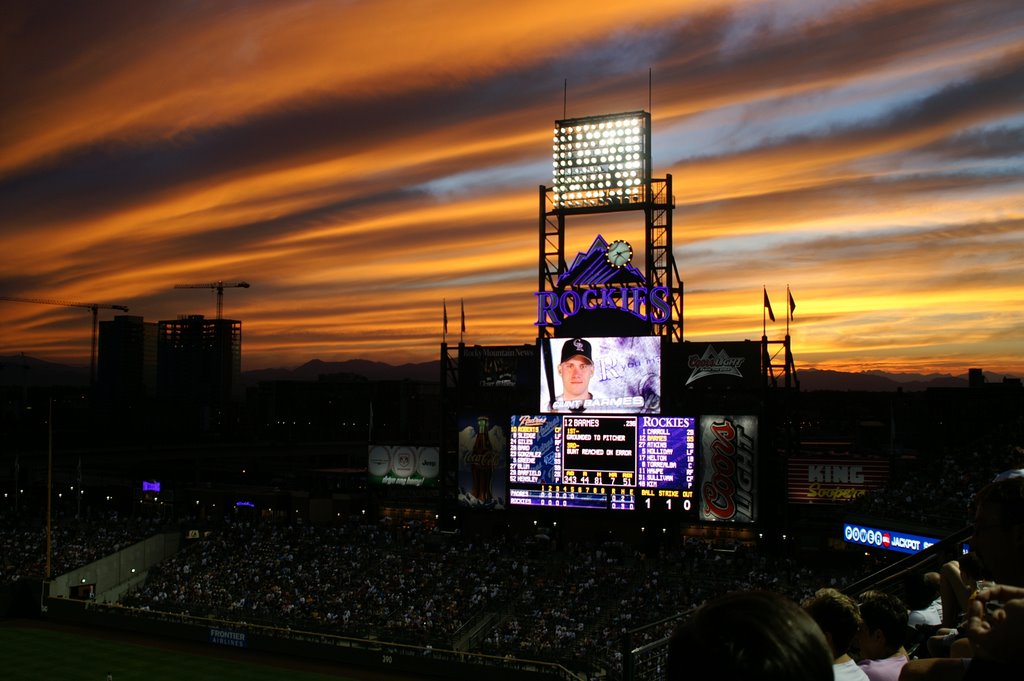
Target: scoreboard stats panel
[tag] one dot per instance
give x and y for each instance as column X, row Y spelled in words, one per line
column 624, row 463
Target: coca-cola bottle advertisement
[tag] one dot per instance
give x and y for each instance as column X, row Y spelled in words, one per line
column 483, row 453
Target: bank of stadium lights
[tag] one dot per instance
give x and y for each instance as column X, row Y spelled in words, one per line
column 601, row 160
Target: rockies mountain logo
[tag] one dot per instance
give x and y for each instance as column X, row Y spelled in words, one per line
column 590, row 283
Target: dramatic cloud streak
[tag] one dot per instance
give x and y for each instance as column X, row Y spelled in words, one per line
column 360, row 162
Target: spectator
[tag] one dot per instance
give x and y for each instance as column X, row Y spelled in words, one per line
column 837, row 615
column 957, row 583
column 881, row 636
column 923, row 599
column 999, row 529
column 925, row 618
column 999, row 542
column 996, row 635
column 747, row 636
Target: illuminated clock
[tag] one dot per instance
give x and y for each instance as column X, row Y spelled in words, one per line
column 619, row 253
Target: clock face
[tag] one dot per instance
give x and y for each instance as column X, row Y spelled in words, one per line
column 619, row 253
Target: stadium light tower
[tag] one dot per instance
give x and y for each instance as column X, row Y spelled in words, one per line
column 600, row 162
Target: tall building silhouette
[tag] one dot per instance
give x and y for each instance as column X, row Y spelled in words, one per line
column 199, row 367
column 126, row 366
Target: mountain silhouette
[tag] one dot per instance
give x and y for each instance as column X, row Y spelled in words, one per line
column 29, row 372
column 25, row 371
column 355, row 368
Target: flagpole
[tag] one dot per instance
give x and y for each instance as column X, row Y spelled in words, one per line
column 764, row 312
column 764, row 335
column 790, row 366
column 49, row 491
column 789, row 312
column 78, row 489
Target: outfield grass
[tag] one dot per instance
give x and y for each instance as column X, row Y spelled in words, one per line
column 37, row 654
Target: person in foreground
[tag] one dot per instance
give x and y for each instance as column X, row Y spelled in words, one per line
column 994, row 626
column 881, row 635
column 839, row 619
column 749, row 636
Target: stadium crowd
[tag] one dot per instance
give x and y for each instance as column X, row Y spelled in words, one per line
column 75, row 542
column 401, row 584
column 569, row 602
column 528, row 598
column 938, row 494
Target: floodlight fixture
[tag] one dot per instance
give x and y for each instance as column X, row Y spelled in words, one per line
column 601, row 161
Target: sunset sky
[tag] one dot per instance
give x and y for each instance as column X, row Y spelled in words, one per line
column 359, row 162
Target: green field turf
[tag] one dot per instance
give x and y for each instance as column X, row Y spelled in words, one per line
column 36, row 654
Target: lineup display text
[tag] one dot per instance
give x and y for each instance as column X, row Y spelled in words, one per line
column 607, row 462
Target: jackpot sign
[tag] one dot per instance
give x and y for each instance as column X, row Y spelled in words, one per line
column 889, row 540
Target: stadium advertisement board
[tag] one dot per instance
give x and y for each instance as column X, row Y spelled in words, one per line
column 889, row 540
column 728, row 491
column 507, row 367
column 483, row 452
column 817, row 480
column 733, row 365
column 227, row 637
column 405, row 465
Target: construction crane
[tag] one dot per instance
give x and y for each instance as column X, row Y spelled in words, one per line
column 94, row 307
column 219, row 286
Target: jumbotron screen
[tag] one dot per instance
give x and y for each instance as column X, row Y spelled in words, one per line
column 606, row 375
column 625, row 463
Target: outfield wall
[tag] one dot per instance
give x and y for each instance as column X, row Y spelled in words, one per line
column 418, row 662
column 115, row 574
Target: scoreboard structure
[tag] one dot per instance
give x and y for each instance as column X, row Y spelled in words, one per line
column 618, row 463
column 611, row 410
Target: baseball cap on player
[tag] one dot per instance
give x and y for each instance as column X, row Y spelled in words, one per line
column 577, row 346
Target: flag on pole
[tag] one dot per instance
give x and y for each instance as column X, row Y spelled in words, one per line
column 444, row 305
column 462, row 306
column 768, row 305
column 792, row 303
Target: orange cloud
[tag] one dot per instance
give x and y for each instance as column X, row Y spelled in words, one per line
column 360, row 162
